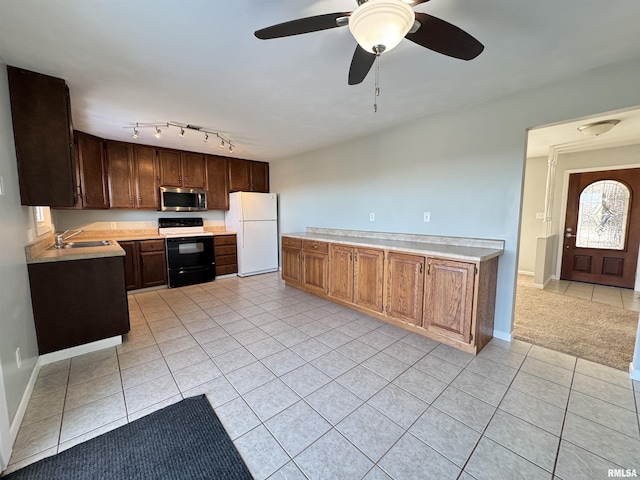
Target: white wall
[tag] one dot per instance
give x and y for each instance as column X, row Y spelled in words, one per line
column 465, row 167
column 535, row 178
column 72, row 219
column 16, row 317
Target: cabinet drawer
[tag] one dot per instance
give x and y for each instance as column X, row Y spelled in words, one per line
column 224, row 240
column 291, row 242
column 226, row 269
column 225, row 250
column 314, row 246
column 152, row 246
column 227, row 260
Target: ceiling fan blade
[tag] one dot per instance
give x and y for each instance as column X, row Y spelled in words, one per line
column 413, row 3
column 301, row 25
column 442, row 37
column 360, row 65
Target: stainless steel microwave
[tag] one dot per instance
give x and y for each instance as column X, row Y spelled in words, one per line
column 182, row 200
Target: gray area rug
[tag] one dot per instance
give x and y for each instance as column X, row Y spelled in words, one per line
column 600, row 333
column 182, row 441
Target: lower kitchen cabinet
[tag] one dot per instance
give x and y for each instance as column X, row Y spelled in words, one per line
column 146, row 263
column 340, row 272
column 292, row 261
column 315, row 266
column 226, row 254
column 368, row 278
column 448, row 300
column 78, row 301
column 405, row 287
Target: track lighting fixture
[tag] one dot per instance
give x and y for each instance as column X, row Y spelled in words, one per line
column 224, row 141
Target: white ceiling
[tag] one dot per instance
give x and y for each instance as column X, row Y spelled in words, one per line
column 198, row 62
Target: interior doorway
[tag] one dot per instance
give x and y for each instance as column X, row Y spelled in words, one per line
column 602, row 227
column 554, row 154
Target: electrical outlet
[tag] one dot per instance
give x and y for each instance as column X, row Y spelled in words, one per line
column 426, row 217
column 539, row 215
column 372, row 217
column 18, row 358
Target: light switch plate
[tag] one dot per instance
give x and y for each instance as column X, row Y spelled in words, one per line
column 372, row 217
column 1, row 185
column 426, row 217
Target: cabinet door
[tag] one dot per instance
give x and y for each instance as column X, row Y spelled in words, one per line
column 146, row 178
column 153, row 269
column 170, row 171
column 93, row 182
column 315, row 272
column 448, row 298
column 260, row 177
column 217, row 183
column 341, row 272
column 193, row 170
column 131, row 265
column 42, row 135
column 239, row 175
column 368, row 278
column 292, row 265
column 405, row 288
column 120, row 172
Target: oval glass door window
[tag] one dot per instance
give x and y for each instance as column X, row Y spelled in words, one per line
column 602, row 215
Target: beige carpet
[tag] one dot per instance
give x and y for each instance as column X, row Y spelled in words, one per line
column 593, row 331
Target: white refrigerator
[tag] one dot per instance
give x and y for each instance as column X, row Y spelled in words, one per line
column 254, row 217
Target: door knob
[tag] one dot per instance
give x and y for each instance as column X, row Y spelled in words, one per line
column 568, row 235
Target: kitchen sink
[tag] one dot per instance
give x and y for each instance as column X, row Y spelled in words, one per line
column 89, row 243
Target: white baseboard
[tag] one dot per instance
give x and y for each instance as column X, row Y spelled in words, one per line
column 22, row 407
column 507, row 336
column 79, row 350
column 525, row 272
column 634, row 372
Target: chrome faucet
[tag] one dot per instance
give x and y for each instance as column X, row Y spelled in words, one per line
column 60, row 237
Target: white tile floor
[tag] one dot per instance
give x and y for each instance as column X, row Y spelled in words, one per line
column 614, row 296
column 309, row 389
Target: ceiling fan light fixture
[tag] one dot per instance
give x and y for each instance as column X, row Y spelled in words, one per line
column 598, row 128
column 383, row 23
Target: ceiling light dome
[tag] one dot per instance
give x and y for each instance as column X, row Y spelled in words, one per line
column 598, row 128
column 381, row 23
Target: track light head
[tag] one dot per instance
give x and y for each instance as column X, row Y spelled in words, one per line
column 230, row 148
column 181, row 132
column 135, row 133
column 222, row 144
column 158, row 133
column 206, row 137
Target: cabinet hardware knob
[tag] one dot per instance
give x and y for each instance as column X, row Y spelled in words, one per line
column 429, row 270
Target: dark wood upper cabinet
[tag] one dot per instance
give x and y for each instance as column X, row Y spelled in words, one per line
column 181, row 169
column 41, row 114
column 133, row 175
column 145, row 177
column 120, row 172
column 248, row 176
column 239, row 175
column 260, row 177
column 217, row 183
column 92, row 171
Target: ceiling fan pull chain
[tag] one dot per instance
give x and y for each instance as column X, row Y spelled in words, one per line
column 376, row 92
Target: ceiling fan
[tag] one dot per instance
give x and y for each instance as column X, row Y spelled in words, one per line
column 378, row 26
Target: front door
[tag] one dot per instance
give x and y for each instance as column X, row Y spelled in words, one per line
column 602, row 227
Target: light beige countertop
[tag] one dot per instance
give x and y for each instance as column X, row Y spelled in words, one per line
column 471, row 249
column 39, row 251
